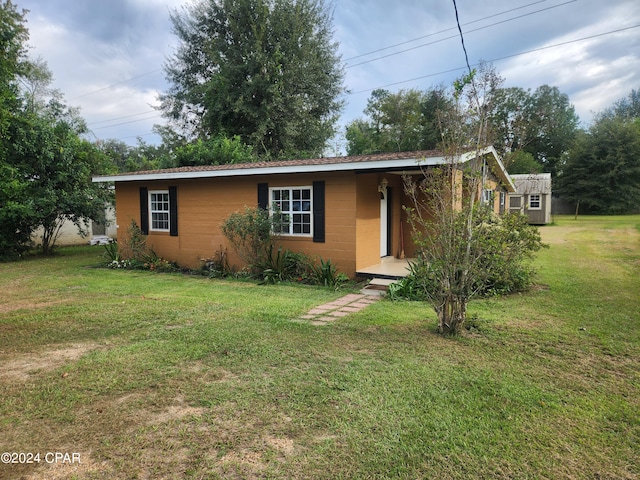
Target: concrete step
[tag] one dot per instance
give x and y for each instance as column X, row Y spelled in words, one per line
column 378, row 286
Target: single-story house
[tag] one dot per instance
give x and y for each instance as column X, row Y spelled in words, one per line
column 532, row 197
column 347, row 209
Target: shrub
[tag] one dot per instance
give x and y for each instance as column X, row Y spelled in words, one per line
column 157, row 264
column 217, row 266
column 111, row 251
column 411, row 287
column 134, row 244
column 326, row 273
column 507, row 245
column 504, row 247
column 250, row 234
column 132, row 253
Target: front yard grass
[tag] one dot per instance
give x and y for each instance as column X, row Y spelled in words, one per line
column 169, row 376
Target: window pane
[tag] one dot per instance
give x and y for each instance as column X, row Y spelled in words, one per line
column 291, row 202
column 159, row 210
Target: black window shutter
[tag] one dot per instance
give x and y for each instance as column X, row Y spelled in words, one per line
column 173, row 211
column 263, row 196
column 318, row 212
column 144, row 211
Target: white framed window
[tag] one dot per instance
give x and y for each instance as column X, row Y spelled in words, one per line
column 515, row 201
column 293, row 207
column 535, row 202
column 487, row 196
column 159, row 210
column 503, row 199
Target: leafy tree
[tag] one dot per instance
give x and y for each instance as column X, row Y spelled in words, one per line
column 265, row 70
column 543, row 124
column 603, row 169
column 510, row 118
column 15, row 228
column 58, row 164
column 145, row 156
column 15, row 214
column 628, row 107
column 46, row 167
column 35, row 83
column 463, row 249
column 553, row 128
column 13, row 59
column 116, row 151
column 521, row 162
column 215, row 151
column 403, row 121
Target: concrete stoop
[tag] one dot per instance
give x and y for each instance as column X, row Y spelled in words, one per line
column 378, row 286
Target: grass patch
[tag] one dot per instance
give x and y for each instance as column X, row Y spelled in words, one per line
column 169, row 376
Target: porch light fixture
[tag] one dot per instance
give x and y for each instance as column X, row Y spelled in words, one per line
column 382, row 188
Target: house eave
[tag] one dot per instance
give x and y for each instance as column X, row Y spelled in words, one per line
column 341, row 164
column 381, row 165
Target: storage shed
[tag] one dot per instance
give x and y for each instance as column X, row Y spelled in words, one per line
column 532, row 197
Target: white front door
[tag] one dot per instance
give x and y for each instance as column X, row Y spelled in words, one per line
column 384, row 223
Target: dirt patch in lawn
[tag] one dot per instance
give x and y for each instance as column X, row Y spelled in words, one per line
column 21, row 367
column 30, row 305
column 177, row 411
column 78, row 465
column 554, row 235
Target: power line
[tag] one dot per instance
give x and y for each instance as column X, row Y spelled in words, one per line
column 126, row 123
column 116, row 84
column 466, row 57
column 443, row 31
column 499, row 59
column 455, row 36
column 122, row 118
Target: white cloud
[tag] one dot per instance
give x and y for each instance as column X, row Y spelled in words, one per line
column 92, row 47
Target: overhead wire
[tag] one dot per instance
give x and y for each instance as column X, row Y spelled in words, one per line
column 456, row 35
column 116, row 84
column 122, row 118
column 466, row 56
column 442, row 31
column 126, row 123
column 500, row 58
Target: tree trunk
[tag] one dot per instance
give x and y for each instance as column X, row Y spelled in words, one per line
column 452, row 315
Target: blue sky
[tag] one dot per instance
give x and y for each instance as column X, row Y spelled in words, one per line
column 107, row 56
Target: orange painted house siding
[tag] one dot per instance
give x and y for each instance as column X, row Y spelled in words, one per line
column 353, row 237
column 204, row 204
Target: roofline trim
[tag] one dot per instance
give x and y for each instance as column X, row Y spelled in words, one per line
column 386, row 164
column 268, row 170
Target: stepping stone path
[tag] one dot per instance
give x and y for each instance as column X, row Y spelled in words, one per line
column 327, row 313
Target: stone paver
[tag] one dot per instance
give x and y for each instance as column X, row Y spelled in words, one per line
column 351, row 303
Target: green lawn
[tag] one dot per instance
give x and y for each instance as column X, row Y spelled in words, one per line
column 168, row 376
